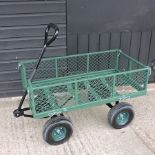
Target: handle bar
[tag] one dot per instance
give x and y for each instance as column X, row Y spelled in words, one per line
column 19, row 111
column 48, row 41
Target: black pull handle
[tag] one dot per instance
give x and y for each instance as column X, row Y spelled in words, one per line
column 48, row 41
column 20, row 112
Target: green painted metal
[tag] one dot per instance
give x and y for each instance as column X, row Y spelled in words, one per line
column 122, row 118
column 62, row 84
column 59, row 133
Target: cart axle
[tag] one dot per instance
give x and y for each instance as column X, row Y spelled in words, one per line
column 20, row 112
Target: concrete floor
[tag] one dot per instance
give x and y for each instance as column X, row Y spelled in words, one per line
column 92, row 133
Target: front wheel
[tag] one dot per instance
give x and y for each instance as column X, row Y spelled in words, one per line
column 57, row 130
column 120, row 115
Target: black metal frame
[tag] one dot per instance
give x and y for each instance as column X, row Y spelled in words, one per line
column 110, row 105
column 19, row 111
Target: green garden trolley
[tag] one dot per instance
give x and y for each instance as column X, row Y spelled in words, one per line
column 61, row 84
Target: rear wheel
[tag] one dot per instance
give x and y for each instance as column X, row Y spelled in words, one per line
column 120, row 115
column 57, row 130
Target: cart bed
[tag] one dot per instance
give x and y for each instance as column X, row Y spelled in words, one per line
column 72, row 82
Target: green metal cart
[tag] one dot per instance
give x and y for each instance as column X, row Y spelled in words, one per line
column 62, row 84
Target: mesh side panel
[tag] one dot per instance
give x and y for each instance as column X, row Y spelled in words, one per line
column 103, row 61
column 66, row 66
column 41, row 101
column 123, row 64
column 46, row 70
column 51, row 98
column 134, row 65
column 84, row 64
column 94, row 90
column 140, row 77
column 131, row 82
column 126, row 64
column 72, row 65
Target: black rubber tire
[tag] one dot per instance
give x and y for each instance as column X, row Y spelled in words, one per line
column 117, row 109
column 55, row 122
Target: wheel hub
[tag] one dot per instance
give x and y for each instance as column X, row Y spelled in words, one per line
column 122, row 118
column 59, row 133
